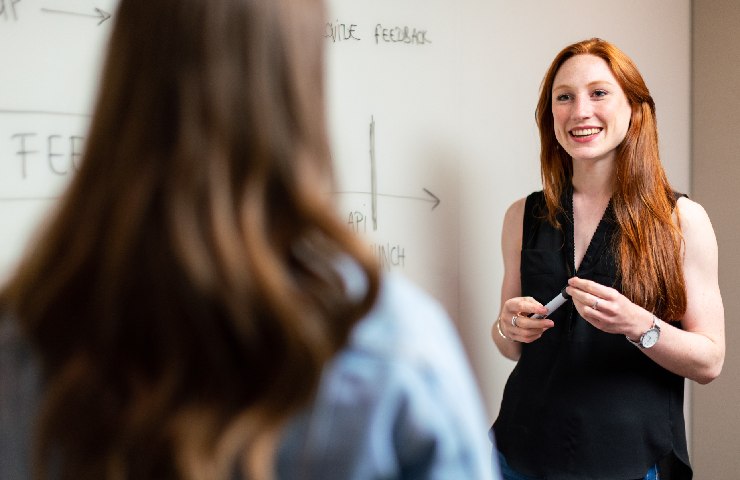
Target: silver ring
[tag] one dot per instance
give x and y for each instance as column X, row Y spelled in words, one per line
column 595, row 306
column 513, row 320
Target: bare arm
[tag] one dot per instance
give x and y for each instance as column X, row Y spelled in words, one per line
column 512, row 303
column 697, row 352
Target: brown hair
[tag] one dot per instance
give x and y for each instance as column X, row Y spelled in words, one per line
column 649, row 243
column 187, row 292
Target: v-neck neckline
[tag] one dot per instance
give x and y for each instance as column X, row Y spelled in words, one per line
column 595, row 245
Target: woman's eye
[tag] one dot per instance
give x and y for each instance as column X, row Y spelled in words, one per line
column 600, row 93
column 563, row 97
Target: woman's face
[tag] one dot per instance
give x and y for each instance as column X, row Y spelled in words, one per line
column 590, row 111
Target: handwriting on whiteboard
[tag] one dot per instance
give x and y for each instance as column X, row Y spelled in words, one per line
column 8, row 9
column 39, row 152
column 381, row 34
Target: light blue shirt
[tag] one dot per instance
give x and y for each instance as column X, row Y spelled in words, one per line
column 398, row 402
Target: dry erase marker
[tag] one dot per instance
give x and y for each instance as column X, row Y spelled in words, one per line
column 553, row 304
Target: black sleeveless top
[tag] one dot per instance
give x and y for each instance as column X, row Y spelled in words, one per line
column 582, row 403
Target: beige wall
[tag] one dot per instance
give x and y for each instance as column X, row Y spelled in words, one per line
column 715, row 177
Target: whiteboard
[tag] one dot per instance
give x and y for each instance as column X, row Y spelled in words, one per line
column 390, row 106
column 50, row 53
column 431, row 115
column 392, row 86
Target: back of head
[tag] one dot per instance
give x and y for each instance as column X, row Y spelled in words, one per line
column 236, row 83
column 186, row 293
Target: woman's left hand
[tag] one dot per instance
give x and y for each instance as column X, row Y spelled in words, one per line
column 696, row 348
column 607, row 309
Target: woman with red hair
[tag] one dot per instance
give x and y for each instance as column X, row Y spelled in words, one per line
column 598, row 388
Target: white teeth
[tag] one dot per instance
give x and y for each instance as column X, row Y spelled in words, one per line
column 583, row 132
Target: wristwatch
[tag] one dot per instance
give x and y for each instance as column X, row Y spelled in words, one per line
column 649, row 338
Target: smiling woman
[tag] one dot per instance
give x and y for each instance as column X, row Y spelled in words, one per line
column 590, row 111
column 631, row 251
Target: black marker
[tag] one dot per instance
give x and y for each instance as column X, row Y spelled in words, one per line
column 553, row 304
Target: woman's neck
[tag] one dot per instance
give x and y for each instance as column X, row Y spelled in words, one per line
column 593, row 179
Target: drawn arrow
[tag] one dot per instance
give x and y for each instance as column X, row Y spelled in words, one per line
column 4, row 111
column 436, row 198
column 431, row 197
column 99, row 14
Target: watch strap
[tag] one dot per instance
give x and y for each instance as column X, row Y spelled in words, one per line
column 639, row 341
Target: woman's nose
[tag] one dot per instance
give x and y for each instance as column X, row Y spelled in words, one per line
column 582, row 107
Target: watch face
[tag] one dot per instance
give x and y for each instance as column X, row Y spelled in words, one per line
column 650, row 338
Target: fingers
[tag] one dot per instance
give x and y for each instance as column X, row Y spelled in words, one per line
column 590, row 297
column 516, row 324
column 526, row 334
column 532, row 324
column 524, row 329
column 603, row 307
column 523, row 306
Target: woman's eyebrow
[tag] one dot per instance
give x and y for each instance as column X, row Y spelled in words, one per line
column 590, row 84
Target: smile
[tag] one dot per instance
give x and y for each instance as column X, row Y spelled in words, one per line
column 585, row 132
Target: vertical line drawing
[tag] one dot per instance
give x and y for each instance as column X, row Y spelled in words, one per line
column 373, row 175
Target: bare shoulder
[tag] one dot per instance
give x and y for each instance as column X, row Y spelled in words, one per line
column 699, row 241
column 511, row 232
column 695, row 223
column 691, row 211
column 514, row 215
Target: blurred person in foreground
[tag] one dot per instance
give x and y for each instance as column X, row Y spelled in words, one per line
column 194, row 309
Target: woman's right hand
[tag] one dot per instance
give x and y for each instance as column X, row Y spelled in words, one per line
column 515, row 322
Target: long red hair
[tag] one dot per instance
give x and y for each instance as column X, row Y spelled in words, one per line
column 649, row 242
